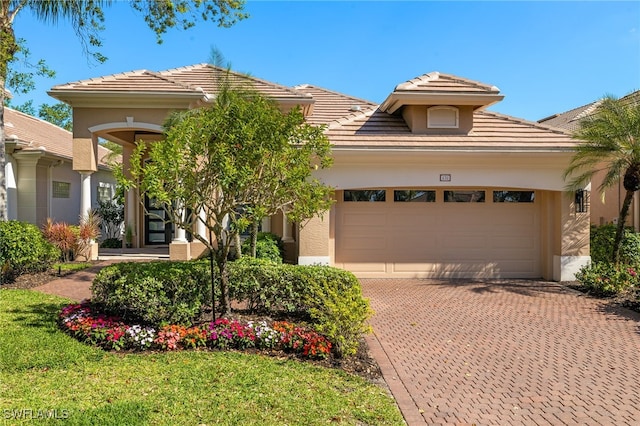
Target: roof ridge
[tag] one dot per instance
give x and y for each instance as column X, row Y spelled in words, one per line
column 236, row 73
column 115, row 76
column 587, row 111
column 559, row 114
column 437, row 75
column 350, row 118
column 413, row 82
column 173, row 81
column 301, row 86
column 532, row 124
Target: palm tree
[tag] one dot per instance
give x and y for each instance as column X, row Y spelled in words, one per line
column 610, row 142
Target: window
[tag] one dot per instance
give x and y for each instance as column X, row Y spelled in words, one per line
column 61, row 189
column 464, row 196
column 414, row 196
column 442, row 117
column 105, row 192
column 365, row 195
column 513, row 196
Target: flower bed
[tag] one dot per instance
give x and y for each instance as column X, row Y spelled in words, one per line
column 84, row 323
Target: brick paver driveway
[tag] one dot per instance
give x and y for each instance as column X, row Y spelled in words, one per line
column 505, row 352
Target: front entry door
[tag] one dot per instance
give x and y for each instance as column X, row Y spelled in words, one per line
column 156, row 224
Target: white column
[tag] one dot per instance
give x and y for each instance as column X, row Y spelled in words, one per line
column 180, row 234
column 286, row 229
column 266, row 224
column 201, row 227
column 85, row 192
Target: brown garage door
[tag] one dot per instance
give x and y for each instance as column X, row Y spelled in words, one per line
column 438, row 239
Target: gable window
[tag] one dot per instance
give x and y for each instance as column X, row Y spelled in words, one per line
column 418, row 196
column 364, row 195
column 61, row 189
column 442, row 117
column 464, row 196
column 513, row 196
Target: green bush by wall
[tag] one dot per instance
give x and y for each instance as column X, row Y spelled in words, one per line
column 23, row 249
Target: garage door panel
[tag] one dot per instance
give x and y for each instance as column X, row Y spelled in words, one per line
column 416, row 268
column 463, row 242
column 375, row 267
column 511, row 242
column 465, row 270
column 439, row 240
column 364, row 220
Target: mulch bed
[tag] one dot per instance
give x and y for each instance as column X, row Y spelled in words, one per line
column 361, row 364
column 627, row 299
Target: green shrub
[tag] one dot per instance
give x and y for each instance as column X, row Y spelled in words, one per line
column 268, row 246
column 23, row 249
column 264, row 285
column 154, row 293
column 174, row 292
column 330, row 297
column 111, row 243
column 602, row 244
column 606, row 279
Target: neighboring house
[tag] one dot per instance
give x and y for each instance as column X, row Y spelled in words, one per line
column 603, row 209
column 428, row 184
column 41, row 182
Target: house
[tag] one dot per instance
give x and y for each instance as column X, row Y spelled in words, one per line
column 428, row 183
column 604, row 209
column 41, row 182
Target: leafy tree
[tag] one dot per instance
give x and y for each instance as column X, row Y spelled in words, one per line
column 610, row 143
column 59, row 114
column 236, row 160
column 87, row 19
column 26, row 107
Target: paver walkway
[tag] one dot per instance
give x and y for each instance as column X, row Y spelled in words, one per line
column 76, row 286
column 505, row 353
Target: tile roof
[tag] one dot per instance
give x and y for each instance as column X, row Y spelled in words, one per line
column 200, row 79
column 570, row 120
column 132, row 81
column 491, row 131
column 32, row 133
column 330, row 106
column 436, row 82
column 357, row 123
column 441, row 89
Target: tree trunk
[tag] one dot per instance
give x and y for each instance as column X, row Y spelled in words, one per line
column 225, row 303
column 622, row 217
column 254, row 238
column 238, row 244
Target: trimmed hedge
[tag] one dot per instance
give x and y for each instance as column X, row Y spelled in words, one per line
column 175, row 292
column 154, row 293
column 23, row 249
column 331, row 297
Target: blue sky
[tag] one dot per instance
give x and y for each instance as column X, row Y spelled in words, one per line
column 545, row 56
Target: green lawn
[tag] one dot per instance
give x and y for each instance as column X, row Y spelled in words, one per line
column 45, row 372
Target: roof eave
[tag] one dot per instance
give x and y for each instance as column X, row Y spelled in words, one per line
column 131, row 99
column 398, row 99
